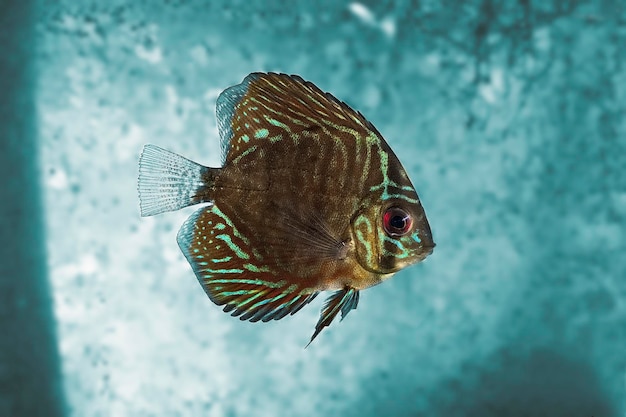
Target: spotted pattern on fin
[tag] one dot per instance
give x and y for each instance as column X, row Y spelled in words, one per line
column 232, row 274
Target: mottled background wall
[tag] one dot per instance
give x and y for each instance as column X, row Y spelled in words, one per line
column 509, row 117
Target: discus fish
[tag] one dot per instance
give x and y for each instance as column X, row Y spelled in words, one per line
column 309, row 198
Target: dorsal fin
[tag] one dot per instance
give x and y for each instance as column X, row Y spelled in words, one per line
column 226, row 104
column 266, row 106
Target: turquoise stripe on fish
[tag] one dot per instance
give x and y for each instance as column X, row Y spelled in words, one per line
column 238, row 251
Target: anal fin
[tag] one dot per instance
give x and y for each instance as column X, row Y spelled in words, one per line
column 343, row 300
column 233, row 275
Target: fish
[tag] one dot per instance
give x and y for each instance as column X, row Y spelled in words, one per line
column 309, row 198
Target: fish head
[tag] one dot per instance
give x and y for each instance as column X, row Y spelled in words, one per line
column 391, row 236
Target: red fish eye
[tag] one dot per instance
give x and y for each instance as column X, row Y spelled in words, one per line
column 397, row 222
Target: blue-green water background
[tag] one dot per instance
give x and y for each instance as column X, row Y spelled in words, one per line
column 509, row 118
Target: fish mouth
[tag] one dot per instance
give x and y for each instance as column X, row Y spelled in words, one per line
column 424, row 252
column 428, row 249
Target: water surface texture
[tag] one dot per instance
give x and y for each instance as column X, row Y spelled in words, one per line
column 509, row 118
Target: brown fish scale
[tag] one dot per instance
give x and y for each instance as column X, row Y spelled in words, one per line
column 278, row 196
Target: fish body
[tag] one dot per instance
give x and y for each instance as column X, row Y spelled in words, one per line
column 310, row 198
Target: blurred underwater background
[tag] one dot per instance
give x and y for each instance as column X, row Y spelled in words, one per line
column 509, row 116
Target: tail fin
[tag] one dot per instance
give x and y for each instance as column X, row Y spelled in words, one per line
column 169, row 182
